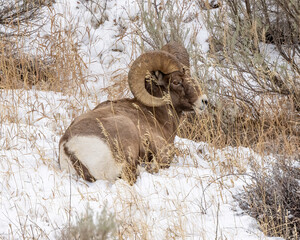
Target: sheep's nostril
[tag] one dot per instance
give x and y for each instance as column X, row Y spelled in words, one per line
column 204, row 101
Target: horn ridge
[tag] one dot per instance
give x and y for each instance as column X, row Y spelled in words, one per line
column 150, row 61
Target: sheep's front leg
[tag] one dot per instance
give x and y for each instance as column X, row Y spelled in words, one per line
column 129, row 172
column 160, row 157
column 165, row 156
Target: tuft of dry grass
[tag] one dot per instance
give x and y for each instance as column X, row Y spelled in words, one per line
column 118, row 86
column 20, row 70
column 55, row 65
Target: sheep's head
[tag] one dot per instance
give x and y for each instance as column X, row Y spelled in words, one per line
column 172, row 84
column 185, row 92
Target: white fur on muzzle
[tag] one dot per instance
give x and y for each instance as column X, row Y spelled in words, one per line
column 201, row 103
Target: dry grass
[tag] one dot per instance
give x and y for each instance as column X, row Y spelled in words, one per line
column 54, row 65
column 119, row 86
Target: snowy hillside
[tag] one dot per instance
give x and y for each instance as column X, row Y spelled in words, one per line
column 193, row 199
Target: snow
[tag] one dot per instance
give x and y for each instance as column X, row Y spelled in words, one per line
column 193, row 199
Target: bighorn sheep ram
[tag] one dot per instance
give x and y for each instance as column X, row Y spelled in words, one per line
column 112, row 140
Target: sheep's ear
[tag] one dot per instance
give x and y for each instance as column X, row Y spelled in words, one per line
column 186, row 71
column 159, row 76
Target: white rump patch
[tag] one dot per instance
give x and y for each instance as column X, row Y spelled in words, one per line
column 94, row 154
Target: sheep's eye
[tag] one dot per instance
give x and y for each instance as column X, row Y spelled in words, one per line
column 177, row 82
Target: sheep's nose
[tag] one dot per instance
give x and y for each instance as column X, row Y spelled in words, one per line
column 204, row 101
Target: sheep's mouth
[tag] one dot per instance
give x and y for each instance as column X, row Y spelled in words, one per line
column 199, row 110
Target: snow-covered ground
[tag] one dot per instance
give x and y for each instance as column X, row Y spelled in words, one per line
column 193, row 199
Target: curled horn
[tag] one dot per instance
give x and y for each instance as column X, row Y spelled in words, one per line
column 179, row 51
column 150, row 61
